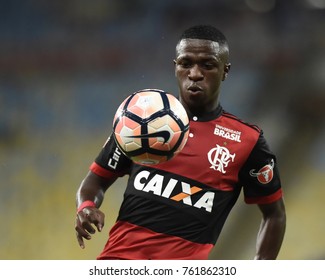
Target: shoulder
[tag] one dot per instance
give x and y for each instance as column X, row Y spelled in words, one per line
column 244, row 131
column 238, row 122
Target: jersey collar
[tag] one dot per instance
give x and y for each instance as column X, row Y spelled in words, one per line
column 205, row 117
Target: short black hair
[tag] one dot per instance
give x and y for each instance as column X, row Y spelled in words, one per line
column 204, row 32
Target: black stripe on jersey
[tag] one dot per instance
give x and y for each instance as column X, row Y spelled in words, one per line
column 147, row 204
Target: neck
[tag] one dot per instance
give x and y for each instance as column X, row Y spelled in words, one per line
column 205, row 115
column 201, row 110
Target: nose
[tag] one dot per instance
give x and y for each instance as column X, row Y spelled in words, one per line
column 195, row 73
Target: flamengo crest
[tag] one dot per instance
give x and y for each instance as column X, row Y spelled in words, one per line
column 219, row 157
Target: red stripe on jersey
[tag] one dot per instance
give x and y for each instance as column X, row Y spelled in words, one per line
column 265, row 199
column 131, row 242
column 100, row 171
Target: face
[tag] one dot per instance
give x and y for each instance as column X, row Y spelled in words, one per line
column 200, row 67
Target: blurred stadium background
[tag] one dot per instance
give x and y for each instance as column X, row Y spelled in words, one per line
column 66, row 65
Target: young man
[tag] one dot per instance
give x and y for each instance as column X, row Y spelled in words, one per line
column 222, row 157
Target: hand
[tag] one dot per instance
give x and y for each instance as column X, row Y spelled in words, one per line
column 84, row 219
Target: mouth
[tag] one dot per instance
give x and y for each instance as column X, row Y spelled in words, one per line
column 195, row 89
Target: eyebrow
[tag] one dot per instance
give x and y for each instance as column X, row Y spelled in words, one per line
column 200, row 58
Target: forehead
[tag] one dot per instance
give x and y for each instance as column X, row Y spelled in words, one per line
column 188, row 47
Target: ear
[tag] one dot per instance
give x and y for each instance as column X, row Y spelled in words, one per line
column 226, row 71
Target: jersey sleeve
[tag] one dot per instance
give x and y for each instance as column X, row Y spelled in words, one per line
column 111, row 162
column 260, row 176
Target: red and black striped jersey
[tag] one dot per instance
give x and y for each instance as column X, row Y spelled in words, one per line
column 176, row 209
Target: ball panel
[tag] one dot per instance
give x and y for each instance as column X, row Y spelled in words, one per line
column 119, row 111
column 132, row 146
column 182, row 142
column 123, row 130
column 144, row 104
column 148, row 158
column 178, row 109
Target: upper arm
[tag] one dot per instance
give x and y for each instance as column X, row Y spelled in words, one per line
column 275, row 209
column 260, row 175
column 94, row 180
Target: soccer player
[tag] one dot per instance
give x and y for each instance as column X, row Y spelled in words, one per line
column 222, row 157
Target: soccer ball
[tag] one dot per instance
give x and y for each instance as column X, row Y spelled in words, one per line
column 151, row 126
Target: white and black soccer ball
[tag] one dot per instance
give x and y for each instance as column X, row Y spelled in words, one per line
column 151, row 126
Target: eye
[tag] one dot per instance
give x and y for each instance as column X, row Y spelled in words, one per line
column 184, row 63
column 209, row 65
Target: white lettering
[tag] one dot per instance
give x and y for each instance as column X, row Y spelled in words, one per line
column 206, row 201
column 155, row 185
column 227, row 133
column 112, row 162
column 169, row 188
column 137, row 181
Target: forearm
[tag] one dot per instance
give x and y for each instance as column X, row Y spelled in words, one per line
column 270, row 237
column 92, row 188
column 85, row 193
